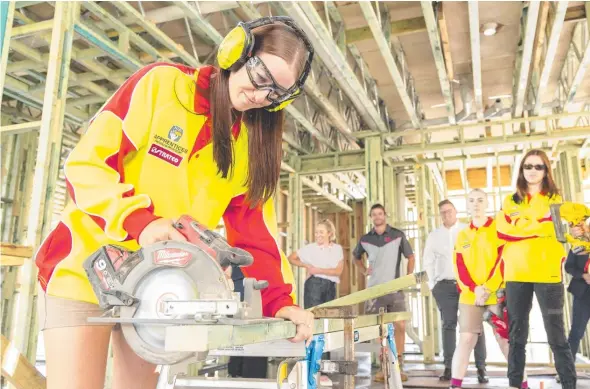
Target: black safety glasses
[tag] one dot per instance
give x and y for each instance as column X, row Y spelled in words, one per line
column 262, row 79
column 529, row 166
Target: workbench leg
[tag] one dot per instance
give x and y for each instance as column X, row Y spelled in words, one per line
column 349, row 350
column 296, row 231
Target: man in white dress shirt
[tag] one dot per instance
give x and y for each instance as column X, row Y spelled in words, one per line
column 438, row 263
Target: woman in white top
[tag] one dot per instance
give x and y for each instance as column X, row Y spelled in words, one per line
column 324, row 263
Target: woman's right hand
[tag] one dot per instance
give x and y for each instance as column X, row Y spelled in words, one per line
column 579, row 230
column 159, row 230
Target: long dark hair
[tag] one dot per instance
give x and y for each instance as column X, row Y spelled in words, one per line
column 265, row 129
column 522, row 186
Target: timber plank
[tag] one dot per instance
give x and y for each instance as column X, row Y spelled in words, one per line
column 18, row 370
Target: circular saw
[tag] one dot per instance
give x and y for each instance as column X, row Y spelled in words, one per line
column 168, row 283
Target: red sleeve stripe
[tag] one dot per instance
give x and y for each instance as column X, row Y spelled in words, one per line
column 508, row 218
column 498, row 259
column 545, row 219
column 587, row 265
column 56, row 247
column 511, row 238
column 464, row 275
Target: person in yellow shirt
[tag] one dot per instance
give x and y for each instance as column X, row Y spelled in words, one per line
column 479, row 271
column 533, row 261
column 173, row 140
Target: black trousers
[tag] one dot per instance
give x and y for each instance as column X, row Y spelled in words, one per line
column 580, row 318
column 519, row 301
column 318, row 291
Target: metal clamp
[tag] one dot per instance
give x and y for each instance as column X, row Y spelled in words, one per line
column 339, row 367
column 313, row 357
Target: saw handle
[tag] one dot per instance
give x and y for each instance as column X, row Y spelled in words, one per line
column 212, row 243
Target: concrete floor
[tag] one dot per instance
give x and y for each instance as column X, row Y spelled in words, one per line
column 421, row 376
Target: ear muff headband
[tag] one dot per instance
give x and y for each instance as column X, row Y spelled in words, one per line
column 238, row 45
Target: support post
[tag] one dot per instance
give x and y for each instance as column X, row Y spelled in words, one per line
column 571, row 175
column 427, row 312
column 374, row 170
column 389, row 193
column 430, row 204
column 296, row 227
column 498, row 184
column 348, row 313
column 6, row 17
column 46, row 168
column 443, row 171
column 349, row 350
column 400, row 190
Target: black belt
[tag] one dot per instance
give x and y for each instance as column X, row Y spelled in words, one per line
column 448, row 281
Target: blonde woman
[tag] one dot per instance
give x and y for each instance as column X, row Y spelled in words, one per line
column 323, row 260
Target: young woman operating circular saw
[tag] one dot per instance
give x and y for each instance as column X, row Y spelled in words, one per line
column 173, row 140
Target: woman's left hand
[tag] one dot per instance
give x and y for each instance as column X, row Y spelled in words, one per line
column 481, row 295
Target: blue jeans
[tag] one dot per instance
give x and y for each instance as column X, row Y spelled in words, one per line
column 580, row 317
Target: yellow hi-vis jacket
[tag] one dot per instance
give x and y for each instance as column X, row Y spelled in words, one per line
column 148, row 154
column 532, row 253
column 478, row 261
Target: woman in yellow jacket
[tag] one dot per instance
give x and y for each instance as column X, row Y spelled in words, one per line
column 533, row 261
column 173, row 140
column 479, row 271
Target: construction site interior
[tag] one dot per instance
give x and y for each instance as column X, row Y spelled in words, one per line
column 407, row 104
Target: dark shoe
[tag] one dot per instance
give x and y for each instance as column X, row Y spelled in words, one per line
column 446, row 376
column 482, row 375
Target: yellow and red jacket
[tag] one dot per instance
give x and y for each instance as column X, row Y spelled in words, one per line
column 148, row 154
column 532, row 253
column 478, row 261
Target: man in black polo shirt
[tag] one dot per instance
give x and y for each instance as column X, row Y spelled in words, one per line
column 384, row 246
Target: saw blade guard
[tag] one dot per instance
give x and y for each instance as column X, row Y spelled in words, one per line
column 170, row 271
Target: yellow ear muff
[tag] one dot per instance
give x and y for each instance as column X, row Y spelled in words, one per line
column 231, row 48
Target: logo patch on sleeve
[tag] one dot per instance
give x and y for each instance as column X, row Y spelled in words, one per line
column 165, row 155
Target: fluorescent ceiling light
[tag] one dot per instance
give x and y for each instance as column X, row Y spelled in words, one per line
column 500, row 97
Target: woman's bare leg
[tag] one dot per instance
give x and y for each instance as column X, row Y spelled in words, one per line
column 76, row 356
column 129, row 370
column 467, row 341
